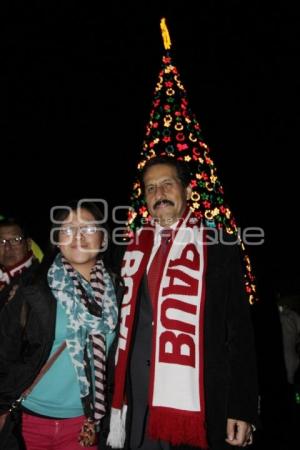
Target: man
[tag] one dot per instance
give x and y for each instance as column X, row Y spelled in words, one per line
column 185, row 362
column 17, row 263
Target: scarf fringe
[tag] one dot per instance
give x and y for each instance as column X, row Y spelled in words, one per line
column 167, row 425
column 117, row 433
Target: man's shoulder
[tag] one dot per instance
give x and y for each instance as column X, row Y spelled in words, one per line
column 222, row 248
column 221, row 237
column 30, row 290
column 26, row 276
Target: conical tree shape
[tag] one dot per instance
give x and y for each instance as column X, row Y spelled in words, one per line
column 174, row 130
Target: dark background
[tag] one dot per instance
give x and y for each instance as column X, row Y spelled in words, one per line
column 76, row 85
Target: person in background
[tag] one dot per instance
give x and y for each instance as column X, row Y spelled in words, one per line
column 70, row 307
column 185, row 372
column 289, row 313
column 289, row 308
column 17, row 262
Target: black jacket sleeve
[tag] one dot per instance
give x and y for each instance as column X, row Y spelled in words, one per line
column 27, row 325
column 243, row 390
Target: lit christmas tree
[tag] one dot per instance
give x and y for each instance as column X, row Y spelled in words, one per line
column 174, row 130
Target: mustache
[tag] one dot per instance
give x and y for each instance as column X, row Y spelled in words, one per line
column 163, row 202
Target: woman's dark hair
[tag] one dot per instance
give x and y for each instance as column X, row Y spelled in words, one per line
column 180, row 166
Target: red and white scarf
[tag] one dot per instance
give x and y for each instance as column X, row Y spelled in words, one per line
column 7, row 274
column 176, row 389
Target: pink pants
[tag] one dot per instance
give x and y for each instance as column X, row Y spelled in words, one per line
column 52, row 434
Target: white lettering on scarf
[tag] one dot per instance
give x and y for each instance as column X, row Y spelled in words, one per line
column 131, row 263
column 178, row 327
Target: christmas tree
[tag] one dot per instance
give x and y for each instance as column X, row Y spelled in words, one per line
column 174, row 130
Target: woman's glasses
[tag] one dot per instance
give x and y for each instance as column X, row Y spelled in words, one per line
column 85, row 230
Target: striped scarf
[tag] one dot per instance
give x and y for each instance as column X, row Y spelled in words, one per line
column 94, row 306
column 84, row 312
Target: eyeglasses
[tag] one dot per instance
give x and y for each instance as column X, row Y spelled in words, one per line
column 86, row 230
column 13, row 241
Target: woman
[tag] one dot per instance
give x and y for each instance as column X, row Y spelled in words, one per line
column 74, row 305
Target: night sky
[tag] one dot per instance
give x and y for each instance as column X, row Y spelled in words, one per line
column 79, row 78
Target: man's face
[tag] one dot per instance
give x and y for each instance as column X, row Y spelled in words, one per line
column 14, row 250
column 164, row 193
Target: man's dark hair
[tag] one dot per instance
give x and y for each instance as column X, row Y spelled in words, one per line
column 12, row 222
column 181, row 167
